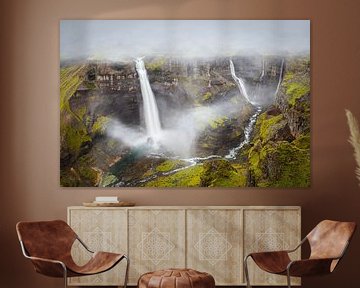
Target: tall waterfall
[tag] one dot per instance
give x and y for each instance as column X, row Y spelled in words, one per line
column 239, row 82
column 263, row 70
column 151, row 113
column 280, row 76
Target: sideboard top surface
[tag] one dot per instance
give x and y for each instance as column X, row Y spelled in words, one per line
column 193, row 207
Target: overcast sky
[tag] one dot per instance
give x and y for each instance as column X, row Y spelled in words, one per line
column 119, row 39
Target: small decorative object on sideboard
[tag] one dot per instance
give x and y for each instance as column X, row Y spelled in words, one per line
column 108, row 201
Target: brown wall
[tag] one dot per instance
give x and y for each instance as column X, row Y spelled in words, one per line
column 29, row 118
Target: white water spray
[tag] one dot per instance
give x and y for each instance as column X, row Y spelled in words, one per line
column 239, row 82
column 151, row 113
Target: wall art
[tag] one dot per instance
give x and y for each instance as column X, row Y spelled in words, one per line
column 185, row 103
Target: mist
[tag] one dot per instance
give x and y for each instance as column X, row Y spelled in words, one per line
column 117, row 40
column 179, row 135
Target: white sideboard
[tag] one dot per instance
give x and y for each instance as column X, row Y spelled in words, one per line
column 212, row 239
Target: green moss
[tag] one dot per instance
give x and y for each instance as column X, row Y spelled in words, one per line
column 189, row 177
column 88, row 175
column 296, row 82
column 156, row 65
column 207, row 96
column 295, row 91
column 169, row 165
column 72, row 127
column 69, row 178
column 275, row 163
column 100, row 125
column 80, row 113
column 81, row 174
column 205, row 145
column 302, row 142
column 288, row 76
column 108, row 180
column 254, row 160
column 90, row 85
column 274, row 159
column 84, row 167
column 220, row 173
column 294, row 165
column 75, row 138
column 70, row 80
column 219, row 122
column 268, row 125
column 280, row 164
column 165, row 166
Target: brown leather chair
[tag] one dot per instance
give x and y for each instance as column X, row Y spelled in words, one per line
column 328, row 242
column 48, row 245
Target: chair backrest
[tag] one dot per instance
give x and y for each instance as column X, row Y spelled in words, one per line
column 46, row 239
column 329, row 239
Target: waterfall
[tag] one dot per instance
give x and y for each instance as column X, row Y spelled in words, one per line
column 239, row 82
column 280, row 76
column 263, row 70
column 247, row 133
column 151, row 113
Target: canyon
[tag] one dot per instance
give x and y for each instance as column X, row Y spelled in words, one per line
column 240, row 121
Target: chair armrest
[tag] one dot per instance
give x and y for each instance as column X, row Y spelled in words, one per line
column 84, row 245
column 281, row 251
column 309, row 267
column 268, row 253
column 298, row 246
column 48, row 267
column 45, row 260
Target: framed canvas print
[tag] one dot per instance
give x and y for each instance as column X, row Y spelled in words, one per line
column 185, row 103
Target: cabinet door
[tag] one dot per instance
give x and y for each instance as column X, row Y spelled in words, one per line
column 156, row 240
column 101, row 230
column 271, row 230
column 214, row 244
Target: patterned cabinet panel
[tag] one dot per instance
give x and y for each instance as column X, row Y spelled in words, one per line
column 156, row 240
column 101, row 230
column 214, row 244
column 267, row 230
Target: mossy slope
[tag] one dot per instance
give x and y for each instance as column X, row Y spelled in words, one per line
column 280, row 151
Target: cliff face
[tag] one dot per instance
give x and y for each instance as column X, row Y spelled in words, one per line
column 280, row 152
column 294, row 97
column 95, row 94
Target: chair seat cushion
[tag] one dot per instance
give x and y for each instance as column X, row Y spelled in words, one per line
column 176, row 278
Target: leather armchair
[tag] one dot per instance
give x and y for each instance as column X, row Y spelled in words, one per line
column 48, row 245
column 328, row 243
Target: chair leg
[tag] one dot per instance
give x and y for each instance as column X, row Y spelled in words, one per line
column 127, row 271
column 65, row 276
column 246, row 270
column 288, row 278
